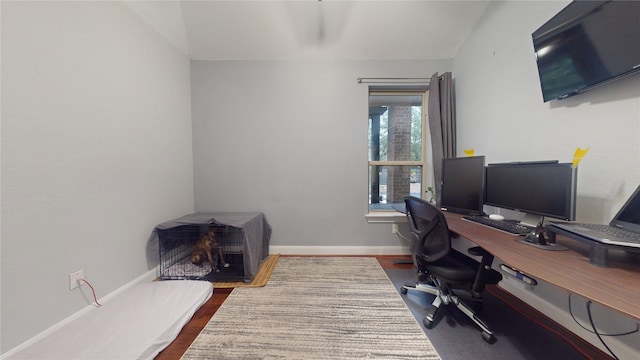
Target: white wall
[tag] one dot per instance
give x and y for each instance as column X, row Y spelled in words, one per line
column 289, row 138
column 500, row 113
column 96, row 150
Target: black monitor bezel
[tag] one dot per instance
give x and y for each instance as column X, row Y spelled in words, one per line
column 457, row 209
column 570, row 196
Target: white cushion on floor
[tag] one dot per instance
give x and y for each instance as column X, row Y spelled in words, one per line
column 137, row 324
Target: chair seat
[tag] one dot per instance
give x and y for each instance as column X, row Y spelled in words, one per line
column 455, row 267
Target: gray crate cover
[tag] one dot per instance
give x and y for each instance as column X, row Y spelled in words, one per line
column 255, row 229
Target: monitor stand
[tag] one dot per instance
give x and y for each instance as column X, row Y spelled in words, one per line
column 537, row 238
column 531, row 220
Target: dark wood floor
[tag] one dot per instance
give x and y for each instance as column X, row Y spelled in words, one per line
column 204, row 314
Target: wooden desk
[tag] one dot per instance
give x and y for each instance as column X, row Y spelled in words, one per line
column 616, row 287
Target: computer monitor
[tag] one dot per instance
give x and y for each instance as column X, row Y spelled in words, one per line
column 539, row 189
column 462, row 185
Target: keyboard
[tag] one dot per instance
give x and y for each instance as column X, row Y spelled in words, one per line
column 626, row 235
column 504, row 225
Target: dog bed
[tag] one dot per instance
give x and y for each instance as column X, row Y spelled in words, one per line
column 137, row 324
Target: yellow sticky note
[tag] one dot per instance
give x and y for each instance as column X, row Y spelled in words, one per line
column 578, row 155
column 469, row 152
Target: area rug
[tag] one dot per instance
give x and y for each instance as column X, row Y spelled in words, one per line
column 261, row 278
column 315, row 308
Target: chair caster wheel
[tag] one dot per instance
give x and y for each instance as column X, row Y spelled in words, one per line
column 427, row 323
column 488, row 337
column 403, row 290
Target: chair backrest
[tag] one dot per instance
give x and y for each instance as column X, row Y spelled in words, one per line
column 431, row 239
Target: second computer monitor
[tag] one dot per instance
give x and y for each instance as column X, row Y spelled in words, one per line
column 540, row 189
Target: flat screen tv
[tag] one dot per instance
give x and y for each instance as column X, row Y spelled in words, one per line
column 588, row 43
column 463, row 185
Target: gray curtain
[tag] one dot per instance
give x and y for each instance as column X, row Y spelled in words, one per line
column 442, row 125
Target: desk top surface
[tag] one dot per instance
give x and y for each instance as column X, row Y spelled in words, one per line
column 616, row 286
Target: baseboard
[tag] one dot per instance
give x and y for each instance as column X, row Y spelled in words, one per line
column 339, row 250
column 148, row 276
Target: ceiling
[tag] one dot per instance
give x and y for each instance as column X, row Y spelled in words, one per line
column 312, row 29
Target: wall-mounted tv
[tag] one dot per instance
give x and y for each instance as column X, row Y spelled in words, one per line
column 588, row 43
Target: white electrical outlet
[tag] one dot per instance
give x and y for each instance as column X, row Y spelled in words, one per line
column 394, row 228
column 74, row 278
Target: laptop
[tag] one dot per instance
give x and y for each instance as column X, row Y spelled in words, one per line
column 623, row 230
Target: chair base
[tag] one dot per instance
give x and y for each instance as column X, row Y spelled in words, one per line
column 442, row 298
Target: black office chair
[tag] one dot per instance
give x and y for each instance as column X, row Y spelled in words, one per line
column 443, row 271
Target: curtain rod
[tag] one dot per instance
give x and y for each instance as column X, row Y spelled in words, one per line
column 382, row 80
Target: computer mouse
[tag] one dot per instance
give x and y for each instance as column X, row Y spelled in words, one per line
column 496, row 217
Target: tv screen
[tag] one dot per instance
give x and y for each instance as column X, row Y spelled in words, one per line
column 542, row 189
column 462, row 185
column 587, row 44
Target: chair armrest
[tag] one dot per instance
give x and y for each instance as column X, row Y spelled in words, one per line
column 478, row 251
column 485, row 275
column 487, row 257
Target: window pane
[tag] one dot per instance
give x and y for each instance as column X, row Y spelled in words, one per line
column 390, row 184
column 395, row 127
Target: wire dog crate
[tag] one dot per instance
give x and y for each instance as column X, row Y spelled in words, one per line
column 177, row 249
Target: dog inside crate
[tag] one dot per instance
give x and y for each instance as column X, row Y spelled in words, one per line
column 201, row 252
column 209, row 248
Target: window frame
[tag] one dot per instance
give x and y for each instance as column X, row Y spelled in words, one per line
column 387, row 215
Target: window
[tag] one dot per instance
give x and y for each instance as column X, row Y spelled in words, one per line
column 397, row 142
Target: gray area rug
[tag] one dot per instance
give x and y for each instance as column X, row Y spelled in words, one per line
column 315, row 308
